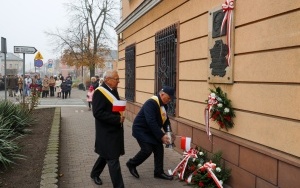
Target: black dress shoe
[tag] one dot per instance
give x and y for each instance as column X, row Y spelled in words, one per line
column 163, row 176
column 132, row 170
column 97, row 180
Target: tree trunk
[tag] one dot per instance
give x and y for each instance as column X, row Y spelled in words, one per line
column 92, row 70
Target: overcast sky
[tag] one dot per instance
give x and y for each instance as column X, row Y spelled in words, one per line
column 23, row 23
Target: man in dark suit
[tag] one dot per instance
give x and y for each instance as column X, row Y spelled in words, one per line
column 147, row 129
column 109, row 142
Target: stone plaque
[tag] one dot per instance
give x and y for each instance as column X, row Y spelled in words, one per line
column 217, row 17
column 218, row 58
column 219, row 69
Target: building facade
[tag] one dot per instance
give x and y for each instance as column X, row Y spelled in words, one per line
column 168, row 42
column 14, row 64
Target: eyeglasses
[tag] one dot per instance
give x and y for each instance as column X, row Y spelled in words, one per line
column 117, row 79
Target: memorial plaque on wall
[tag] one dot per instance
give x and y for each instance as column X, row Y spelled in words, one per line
column 220, row 47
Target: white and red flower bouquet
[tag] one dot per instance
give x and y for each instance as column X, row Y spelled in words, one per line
column 197, row 170
column 219, row 109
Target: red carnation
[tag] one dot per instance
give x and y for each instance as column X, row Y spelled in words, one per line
column 221, row 124
column 228, row 118
column 201, row 184
column 192, row 168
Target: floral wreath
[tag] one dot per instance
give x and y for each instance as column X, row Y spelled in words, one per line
column 219, row 109
column 198, row 170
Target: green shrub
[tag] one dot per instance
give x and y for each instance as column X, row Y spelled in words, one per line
column 8, row 147
column 14, row 117
column 14, row 120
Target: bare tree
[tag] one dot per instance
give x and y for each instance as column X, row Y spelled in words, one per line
column 83, row 43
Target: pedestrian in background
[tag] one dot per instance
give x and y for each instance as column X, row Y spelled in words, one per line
column 94, row 82
column 97, row 81
column 147, row 129
column 51, row 86
column 45, row 87
column 61, row 77
column 20, row 84
column 69, row 86
column 11, row 85
column 89, row 96
column 57, row 87
column 109, row 143
column 64, row 89
column 28, row 82
column 39, row 84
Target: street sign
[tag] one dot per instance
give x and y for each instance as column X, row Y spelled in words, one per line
column 38, row 56
column 3, row 45
column 50, row 61
column 24, row 49
column 38, row 63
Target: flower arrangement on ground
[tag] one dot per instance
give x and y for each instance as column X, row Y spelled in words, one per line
column 200, row 171
column 219, row 108
column 31, row 101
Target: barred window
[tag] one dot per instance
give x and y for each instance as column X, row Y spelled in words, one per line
column 130, row 73
column 165, row 62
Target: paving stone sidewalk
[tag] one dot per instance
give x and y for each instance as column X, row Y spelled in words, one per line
column 76, row 155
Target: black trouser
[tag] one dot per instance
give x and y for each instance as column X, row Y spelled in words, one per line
column 114, row 170
column 45, row 93
column 51, row 91
column 145, row 152
column 64, row 94
column 21, row 91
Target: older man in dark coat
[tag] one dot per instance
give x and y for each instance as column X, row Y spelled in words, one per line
column 109, row 130
column 147, row 129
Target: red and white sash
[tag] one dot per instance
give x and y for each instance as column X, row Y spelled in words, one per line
column 118, row 105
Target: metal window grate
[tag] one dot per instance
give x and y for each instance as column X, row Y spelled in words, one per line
column 165, row 61
column 130, row 73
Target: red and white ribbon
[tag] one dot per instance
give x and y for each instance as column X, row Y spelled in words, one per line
column 209, row 166
column 180, row 168
column 211, row 102
column 227, row 8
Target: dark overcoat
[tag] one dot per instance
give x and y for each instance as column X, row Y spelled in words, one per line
column 147, row 125
column 109, row 142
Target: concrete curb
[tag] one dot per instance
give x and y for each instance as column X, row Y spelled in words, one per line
column 49, row 176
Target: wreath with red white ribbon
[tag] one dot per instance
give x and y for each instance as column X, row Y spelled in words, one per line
column 219, row 109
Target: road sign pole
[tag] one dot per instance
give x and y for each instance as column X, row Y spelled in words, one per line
column 4, row 51
column 5, row 80
column 24, row 79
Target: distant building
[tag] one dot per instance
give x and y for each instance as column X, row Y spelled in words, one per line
column 14, row 64
column 109, row 64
